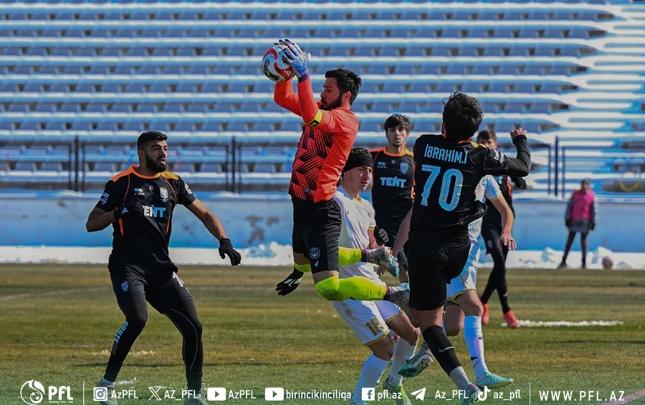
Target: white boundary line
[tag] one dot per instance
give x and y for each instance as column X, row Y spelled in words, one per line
column 566, row 324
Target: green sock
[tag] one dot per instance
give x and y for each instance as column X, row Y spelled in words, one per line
column 348, row 256
column 303, row 268
column 357, row 288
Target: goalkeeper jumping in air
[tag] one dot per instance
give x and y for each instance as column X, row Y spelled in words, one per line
column 328, row 133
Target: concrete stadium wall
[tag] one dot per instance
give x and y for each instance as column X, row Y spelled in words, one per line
column 58, row 219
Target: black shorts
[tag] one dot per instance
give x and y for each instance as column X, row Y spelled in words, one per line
column 316, row 230
column 433, row 260
column 163, row 290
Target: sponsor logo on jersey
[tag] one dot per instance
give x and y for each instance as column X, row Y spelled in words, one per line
column 125, row 286
column 104, row 198
column 154, row 212
column 163, row 193
column 188, row 190
column 381, row 165
column 393, row 182
column 500, row 157
column 138, row 192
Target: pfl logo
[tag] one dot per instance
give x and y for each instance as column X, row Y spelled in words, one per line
column 32, row 392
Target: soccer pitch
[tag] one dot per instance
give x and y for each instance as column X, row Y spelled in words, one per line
column 58, row 322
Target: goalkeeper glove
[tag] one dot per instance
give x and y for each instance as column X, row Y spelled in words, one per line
column 226, row 249
column 290, row 283
column 296, row 58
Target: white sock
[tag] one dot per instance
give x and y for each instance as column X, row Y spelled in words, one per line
column 403, row 351
column 475, row 343
column 371, row 372
column 458, row 375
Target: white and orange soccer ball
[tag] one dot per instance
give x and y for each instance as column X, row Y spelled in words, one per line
column 274, row 65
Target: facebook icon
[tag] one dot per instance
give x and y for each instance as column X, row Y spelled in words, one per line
column 368, row 394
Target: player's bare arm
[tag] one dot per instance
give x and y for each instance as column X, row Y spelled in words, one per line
column 402, row 235
column 214, row 226
column 99, row 219
column 507, row 222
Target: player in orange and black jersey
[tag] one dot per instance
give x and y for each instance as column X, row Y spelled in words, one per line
column 139, row 204
column 393, row 183
column 328, row 133
column 448, row 168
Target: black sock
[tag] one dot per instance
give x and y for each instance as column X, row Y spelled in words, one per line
column 441, row 348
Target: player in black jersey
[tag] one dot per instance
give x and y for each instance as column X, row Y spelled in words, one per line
column 393, row 183
column 139, row 204
column 491, row 232
column 448, row 168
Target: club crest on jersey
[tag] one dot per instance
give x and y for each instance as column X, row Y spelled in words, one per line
column 404, row 167
column 163, row 193
column 314, row 253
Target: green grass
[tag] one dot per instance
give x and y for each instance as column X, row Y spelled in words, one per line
column 57, row 323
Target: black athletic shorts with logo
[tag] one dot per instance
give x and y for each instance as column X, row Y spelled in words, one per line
column 433, row 260
column 316, row 230
column 165, row 291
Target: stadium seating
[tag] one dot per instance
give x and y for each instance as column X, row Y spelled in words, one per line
column 105, row 71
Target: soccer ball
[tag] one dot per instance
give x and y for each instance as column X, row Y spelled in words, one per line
column 607, row 263
column 274, row 65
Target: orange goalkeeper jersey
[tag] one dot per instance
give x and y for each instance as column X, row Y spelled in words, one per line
column 326, row 140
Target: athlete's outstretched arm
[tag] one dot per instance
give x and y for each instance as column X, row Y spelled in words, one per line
column 215, row 227
column 285, row 97
column 497, row 163
column 99, row 220
column 402, row 235
column 507, row 222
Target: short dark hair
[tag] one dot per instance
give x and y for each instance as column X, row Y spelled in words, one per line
column 486, row 135
column 461, row 116
column 150, row 136
column 347, row 81
column 396, row 120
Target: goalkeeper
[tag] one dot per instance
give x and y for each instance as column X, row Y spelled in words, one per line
column 328, row 133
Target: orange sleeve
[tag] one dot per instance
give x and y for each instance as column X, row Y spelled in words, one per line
column 311, row 115
column 285, row 97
